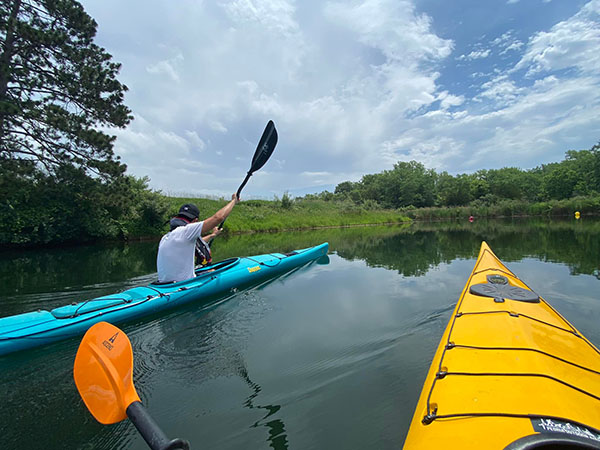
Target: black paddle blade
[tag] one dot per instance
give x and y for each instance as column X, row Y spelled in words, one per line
column 265, row 147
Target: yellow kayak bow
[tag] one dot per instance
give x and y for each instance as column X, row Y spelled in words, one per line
column 510, row 373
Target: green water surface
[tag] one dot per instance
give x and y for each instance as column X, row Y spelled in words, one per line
column 329, row 356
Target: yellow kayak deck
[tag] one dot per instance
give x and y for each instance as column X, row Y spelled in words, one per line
column 508, row 366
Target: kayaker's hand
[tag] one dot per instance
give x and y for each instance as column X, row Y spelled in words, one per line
column 235, row 199
column 215, row 232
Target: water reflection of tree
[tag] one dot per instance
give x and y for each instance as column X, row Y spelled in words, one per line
column 415, row 250
column 411, row 249
column 54, row 269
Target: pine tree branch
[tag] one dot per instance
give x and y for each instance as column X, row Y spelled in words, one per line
column 6, row 56
column 46, row 146
column 59, row 87
column 47, row 143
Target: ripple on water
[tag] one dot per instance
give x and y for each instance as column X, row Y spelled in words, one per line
column 196, row 344
column 436, row 316
column 346, row 361
column 117, row 437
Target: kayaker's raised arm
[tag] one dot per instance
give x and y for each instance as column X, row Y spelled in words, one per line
column 220, row 215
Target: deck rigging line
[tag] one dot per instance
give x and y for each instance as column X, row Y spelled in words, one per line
column 432, row 414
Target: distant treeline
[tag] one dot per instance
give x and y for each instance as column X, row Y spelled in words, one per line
column 68, row 205
column 410, row 184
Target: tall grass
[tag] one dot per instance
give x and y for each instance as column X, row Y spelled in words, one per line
column 298, row 214
column 289, row 214
column 509, row 208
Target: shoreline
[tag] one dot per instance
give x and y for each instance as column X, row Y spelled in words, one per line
column 405, row 223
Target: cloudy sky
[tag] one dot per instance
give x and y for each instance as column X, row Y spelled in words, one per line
column 353, row 86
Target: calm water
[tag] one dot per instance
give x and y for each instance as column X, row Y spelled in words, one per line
column 328, row 356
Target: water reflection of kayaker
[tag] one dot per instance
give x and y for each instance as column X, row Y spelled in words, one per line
column 176, row 250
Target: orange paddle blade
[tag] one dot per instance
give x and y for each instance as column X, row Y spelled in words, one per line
column 103, row 373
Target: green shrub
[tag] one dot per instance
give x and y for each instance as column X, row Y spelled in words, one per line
column 286, row 201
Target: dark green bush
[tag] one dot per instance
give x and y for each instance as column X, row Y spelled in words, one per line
column 70, row 206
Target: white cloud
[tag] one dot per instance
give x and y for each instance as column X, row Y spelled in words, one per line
column 475, row 54
column 501, row 90
column 505, row 37
column 316, row 174
column 167, row 67
column 216, row 126
column 572, row 43
column 273, row 15
column 392, row 26
column 552, row 114
column 195, row 140
column 517, row 45
column 448, row 100
column 352, row 86
column 507, row 42
column 334, row 89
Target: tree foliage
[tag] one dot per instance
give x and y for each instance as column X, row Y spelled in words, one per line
column 408, row 183
column 411, row 184
column 57, row 88
column 69, row 206
column 454, row 191
column 59, row 176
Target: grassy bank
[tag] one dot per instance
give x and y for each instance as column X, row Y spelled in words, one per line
column 287, row 214
column 509, row 208
column 148, row 220
column 296, row 214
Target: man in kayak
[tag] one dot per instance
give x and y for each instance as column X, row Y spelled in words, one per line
column 175, row 260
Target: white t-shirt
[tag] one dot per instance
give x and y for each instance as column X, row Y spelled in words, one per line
column 175, row 260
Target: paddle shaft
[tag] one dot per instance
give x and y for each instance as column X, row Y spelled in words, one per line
column 237, row 194
column 150, row 431
column 239, row 191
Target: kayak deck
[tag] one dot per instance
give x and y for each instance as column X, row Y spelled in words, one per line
column 508, row 366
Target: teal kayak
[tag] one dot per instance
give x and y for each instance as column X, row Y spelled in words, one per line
column 42, row 327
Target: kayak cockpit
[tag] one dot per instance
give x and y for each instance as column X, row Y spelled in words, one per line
column 557, row 440
column 217, row 267
column 203, row 271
